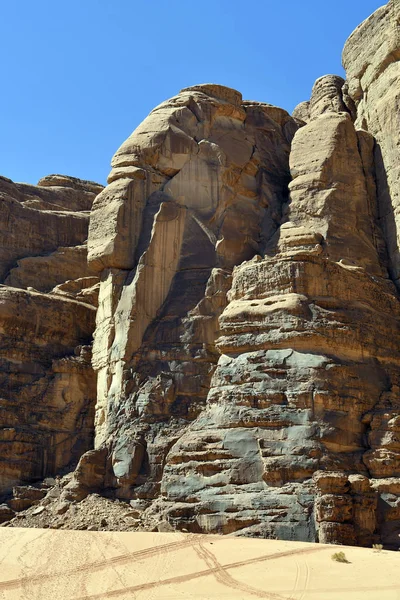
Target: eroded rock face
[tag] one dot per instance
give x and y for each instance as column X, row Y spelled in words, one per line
column 196, row 189
column 203, row 255
column 247, row 336
column 371, row 59
column 310, row 352
column 329, row 94
column 47, row 383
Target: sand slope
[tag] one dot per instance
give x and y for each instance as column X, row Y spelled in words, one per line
column 37, row 564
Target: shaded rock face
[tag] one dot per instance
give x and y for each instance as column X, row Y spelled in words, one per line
column 47, row 383
column 309, row 345
column 247, row 337
column 371, row 58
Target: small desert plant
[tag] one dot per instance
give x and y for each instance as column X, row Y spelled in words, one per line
column 339, row 557
column 377, row 547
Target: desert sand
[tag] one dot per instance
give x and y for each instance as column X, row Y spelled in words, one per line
column 41, row 564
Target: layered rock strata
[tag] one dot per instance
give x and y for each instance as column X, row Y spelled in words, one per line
column 47, row 383
column 196, row 189
column 247, row 337
column 371, row 59
column 308, row 333
column 310, row 356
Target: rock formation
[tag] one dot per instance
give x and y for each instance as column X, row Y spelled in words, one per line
column 371, row 59
column 47, row 383
column 247, row 336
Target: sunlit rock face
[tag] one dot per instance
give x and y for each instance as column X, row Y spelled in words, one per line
column 47, row 318
column 197, row 189
column 371, row 59
column 247, row 337
column 307, row 381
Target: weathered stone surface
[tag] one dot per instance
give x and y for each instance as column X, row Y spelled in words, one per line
column 371, row 59
column 292, row 332
column 83, row 289
column 37, row 220
column 166, row 250
column 247, row 336
column 65, row 181
column 89, row 476
column 6, row 513
column 26, row 496
column 302, row 112
column 47, row 383
column 327, row 96
column 46, row 272
column 293, row 337
column 47, row 392
column 331, row 482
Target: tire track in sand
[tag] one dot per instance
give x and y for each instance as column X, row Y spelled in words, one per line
column 199, row 574
column 225, row 578
column 101, row 564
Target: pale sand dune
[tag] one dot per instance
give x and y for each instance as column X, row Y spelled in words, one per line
column 37, row 564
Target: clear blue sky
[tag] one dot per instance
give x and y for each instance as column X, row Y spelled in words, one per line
column 79, row 75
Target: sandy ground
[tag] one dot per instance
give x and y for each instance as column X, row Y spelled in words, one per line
column 43, row 564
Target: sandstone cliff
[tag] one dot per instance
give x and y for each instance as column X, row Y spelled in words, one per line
column 247, row 336
column 47, row 383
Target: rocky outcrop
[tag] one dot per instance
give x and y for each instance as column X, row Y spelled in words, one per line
column 36, row 220
column 47, row 383
column 371, row 59
column 218, row 444
column 47, row 391
column 306, row 363
column 46, row 272
column 247, row 336
column 196, row 189
column 296, row 300
column 329, row 94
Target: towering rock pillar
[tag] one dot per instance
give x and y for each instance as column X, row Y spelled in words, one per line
column 247, row 340
column 371, row 58
column 195, row 190
column 310, row 345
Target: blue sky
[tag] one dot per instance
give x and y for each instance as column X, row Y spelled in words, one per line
column 79, row 75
